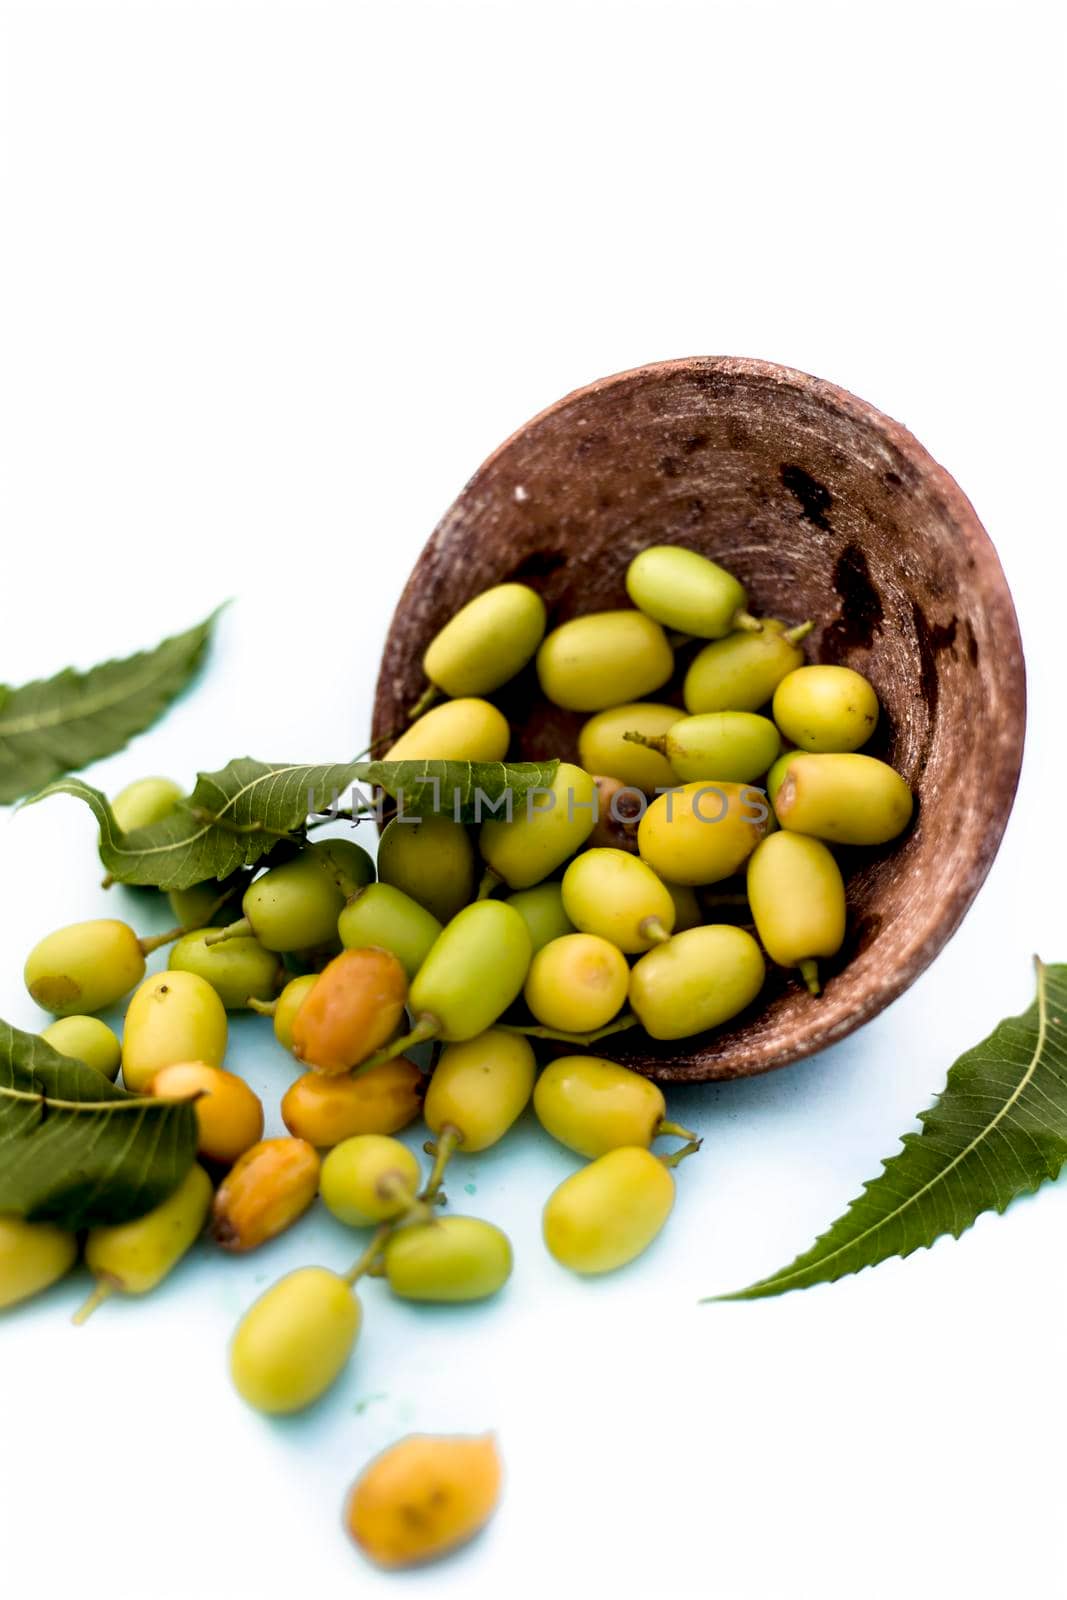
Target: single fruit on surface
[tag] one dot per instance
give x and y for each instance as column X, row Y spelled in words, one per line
column 145, row 801
column 826, row 708
column 423, row 1497
column 296, row 906
column 174, row 1016
column 606, row 1214
column 86, row 1039
column 369, row 1179
column 697, row 980
column 33, row 1256
column 546, row 827
column 295, row 1341
column 487, row 642
column 229, row 1115
column 684, row 590
column 742, row 671
column 617, row 896
column 541, row 908
column 735, row 746
column 238, row 969
column 602, row 747
column 844, row 798
column 703, row 832
column 383, row 1099
column 604, row 659
column 265, row 1191
column 474, row 971
column 134, row 1257
column 450, row 1259
column 432, row 861
column 592, row 1105
column 577, row 983
column 797, row 898
column 619, row 809
column 386, row 917
column 353, row 1009
column 84, row 967
column 458, row 730
column 480, row 1087
column 289, row 1002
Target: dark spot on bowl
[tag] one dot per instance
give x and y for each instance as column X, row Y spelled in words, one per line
column 814, row 497
column 667, row 467
column 931, row 637
column 695, row 442
column 861, row 607
column 539, row 564
column 972, row 643
column 892, row 480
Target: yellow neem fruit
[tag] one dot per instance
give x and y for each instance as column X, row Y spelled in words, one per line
column 423, row 1497
column 369, row 1179
column 33, row 1256
column 546, row 828
column 684, row 590
column 459, row 730
column 85, row 967
column 449, row 1259
column 797, row 898
column 474, row 971
column 432, row 861
column 145, row 801
column 480, row 1087
column 697, row 980
column 737, row 746
column 174, row 1016
column 288, row 1004
column 742, row 671
column 86, row 1039
column 238, row 970
column 133, row 1257
column 487, row 642
column 617, row 896
column 577, row 983
column 603, row 749
column 703, row 832
column 826, row 708
column 606, row 1214
column 593, row 1106
column 295, row 1341
column 846, row 799
column 604, row 659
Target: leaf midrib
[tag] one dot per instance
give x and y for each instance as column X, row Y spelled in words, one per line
column 139, row 1102
column 65, row 715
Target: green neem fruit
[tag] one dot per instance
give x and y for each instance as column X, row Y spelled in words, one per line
column 450, row 1258
column 33, row 1256
column 133, row 1257
column 687, row 910
column 85, row 967
column 776, row 775
column 385, row 916
column 369, row 1179
column 174, row 1016
column 433, row 861
column 480, row 1087
column 826, row 708
column 145, row 801
column 296, row 906
column 288, row 1004
column 737, row 746
column 684, row 590
column 238, row 970
column 798, row 902
column 742, row 671
column 488, row 642
column 295, row 1341
column 604, row 659
column 546, row 827
column 606, row 1214
column 459, row 730
column 541, row 908
column 207, row 902
column 593, row 1106
column 86, row 1039
column 619, row 897
column 577, row 983
column 845, row 798
column 696, row 981
column 603, row 748
column 703, row 832
column 474, row 971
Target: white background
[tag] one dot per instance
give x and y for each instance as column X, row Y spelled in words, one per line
column 273, row 280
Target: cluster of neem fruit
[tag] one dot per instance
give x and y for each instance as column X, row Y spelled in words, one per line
column 597, row 923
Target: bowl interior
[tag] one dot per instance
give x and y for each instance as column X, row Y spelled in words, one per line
column 825, row 509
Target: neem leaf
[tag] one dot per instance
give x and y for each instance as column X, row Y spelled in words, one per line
column 59, row 724
column 76, row 1150
column 998, row 1130
column 235, row 816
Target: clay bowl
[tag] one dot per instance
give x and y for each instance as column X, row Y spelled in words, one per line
column 824, row 508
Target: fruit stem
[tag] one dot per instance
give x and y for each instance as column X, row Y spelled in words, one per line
column 448, row 1142
column 801, row 631
column 266, row 1008
column 674, row 1130
column 102, row 1291
column 369, row 1256
column 676, row 1156
column 241, row 929
column 745, row 622
column 809, row 971
column 536, row 1031
column 107, row 882
column 491, row 881
column 426, row 1027
column 652, row 928
column 158, row 940
column 650, row 741
column 429, row 697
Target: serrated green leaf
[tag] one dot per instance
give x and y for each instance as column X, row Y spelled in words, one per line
column 998, row 1130
column 76, row 1150
column 233, row 817
column 60, row 724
